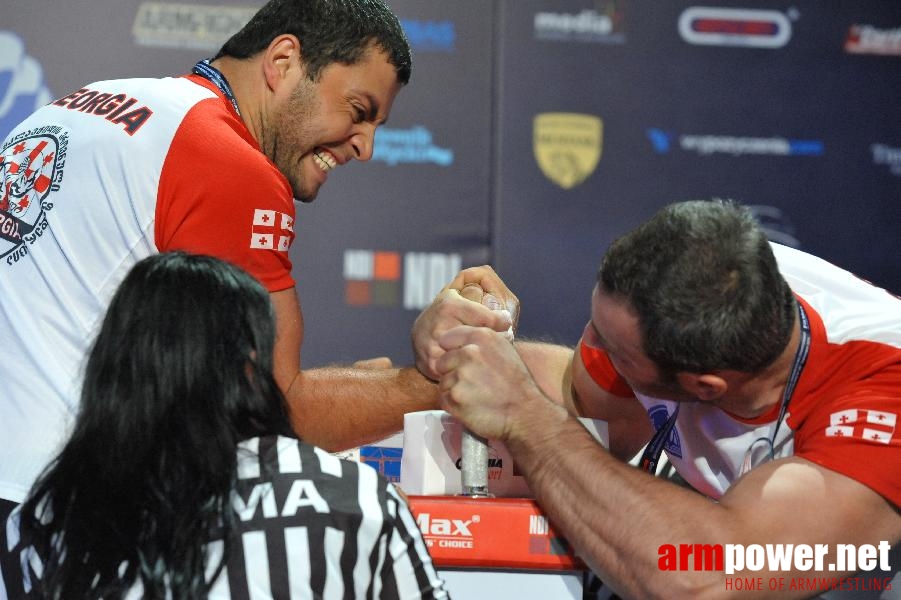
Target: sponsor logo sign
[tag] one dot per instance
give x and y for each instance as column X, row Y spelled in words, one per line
column 887, row 155
column 716, row 26
column 491, row 532
column 705, row 145
column 193, row 26
column 748, row 560
column 384, row 460
column 413, row 145
column 567, row 146
column 430, row 36
column 390, row 278
column 867, row 39
column 588, row 26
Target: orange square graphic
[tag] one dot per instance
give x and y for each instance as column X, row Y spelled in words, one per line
column 387, row 266
column 357, row 293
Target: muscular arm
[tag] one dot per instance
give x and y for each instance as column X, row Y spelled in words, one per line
column 618, row 517
column 338, row 408
column 561, row 375
column 558, row 370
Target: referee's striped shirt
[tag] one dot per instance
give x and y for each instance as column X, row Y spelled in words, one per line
column 313, row 526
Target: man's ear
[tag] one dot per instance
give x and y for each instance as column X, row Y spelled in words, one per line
column 281, row 59
column 706, row 387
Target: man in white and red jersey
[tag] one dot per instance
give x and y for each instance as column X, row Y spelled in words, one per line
column 770, row 378
column 210, row 163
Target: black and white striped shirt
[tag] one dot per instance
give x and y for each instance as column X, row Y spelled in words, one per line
column 311, row 525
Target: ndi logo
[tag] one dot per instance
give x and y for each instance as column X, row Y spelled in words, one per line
column 391, row 279
column 22, row 86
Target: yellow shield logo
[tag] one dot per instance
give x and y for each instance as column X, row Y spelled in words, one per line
column 567, row 146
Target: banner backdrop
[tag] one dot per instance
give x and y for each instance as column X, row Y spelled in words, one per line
column 609, row 110
column 534, row 132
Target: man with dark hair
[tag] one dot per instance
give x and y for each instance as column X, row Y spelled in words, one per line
column 770, row 378
column 208, row 163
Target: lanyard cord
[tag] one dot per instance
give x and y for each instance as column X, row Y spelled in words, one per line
column 797, row 367
column 655, row 446
column 652, row 451
column 215, row 76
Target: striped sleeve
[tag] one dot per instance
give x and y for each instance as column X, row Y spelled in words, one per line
column 411, row 569
column 312, row 525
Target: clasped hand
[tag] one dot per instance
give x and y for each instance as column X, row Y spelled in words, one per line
column 462, row 340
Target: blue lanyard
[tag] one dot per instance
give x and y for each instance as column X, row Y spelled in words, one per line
column 215, row 76
column 652, row 452
column 797, row 367
column 655, row 446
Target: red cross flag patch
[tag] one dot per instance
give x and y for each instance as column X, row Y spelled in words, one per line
column 870, row 425
column 271, row 230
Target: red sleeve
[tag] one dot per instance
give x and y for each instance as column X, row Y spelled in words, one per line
column 602, row 372
column 855, row 427
column 219, row 195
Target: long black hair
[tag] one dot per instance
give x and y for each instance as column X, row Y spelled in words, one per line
column 180, row 372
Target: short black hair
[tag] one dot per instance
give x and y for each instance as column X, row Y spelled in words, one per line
column 329, row 31
column 703, row 279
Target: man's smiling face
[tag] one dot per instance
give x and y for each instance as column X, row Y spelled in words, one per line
column 321, row 125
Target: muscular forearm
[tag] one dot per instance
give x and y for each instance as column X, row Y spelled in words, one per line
column 618, row 517
column 614, row 515
column 339, row 408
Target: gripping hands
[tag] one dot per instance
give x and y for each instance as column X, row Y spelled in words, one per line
column 476, row 297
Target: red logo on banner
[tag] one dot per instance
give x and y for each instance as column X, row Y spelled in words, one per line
column 720, row 26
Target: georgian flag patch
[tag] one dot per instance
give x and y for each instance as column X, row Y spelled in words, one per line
column 871, row 425
column 271, row 230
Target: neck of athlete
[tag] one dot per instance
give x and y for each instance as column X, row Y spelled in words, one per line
column 248, row 86
column 752, row 395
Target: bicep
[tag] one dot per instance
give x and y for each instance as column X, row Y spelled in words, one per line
column 549, row 365
column 627, row 421
column 288, row 336
column 795, row 501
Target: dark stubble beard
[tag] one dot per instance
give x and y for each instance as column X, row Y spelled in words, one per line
column 288, row 136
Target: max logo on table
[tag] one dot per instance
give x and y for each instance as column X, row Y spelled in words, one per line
column 445, row 527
